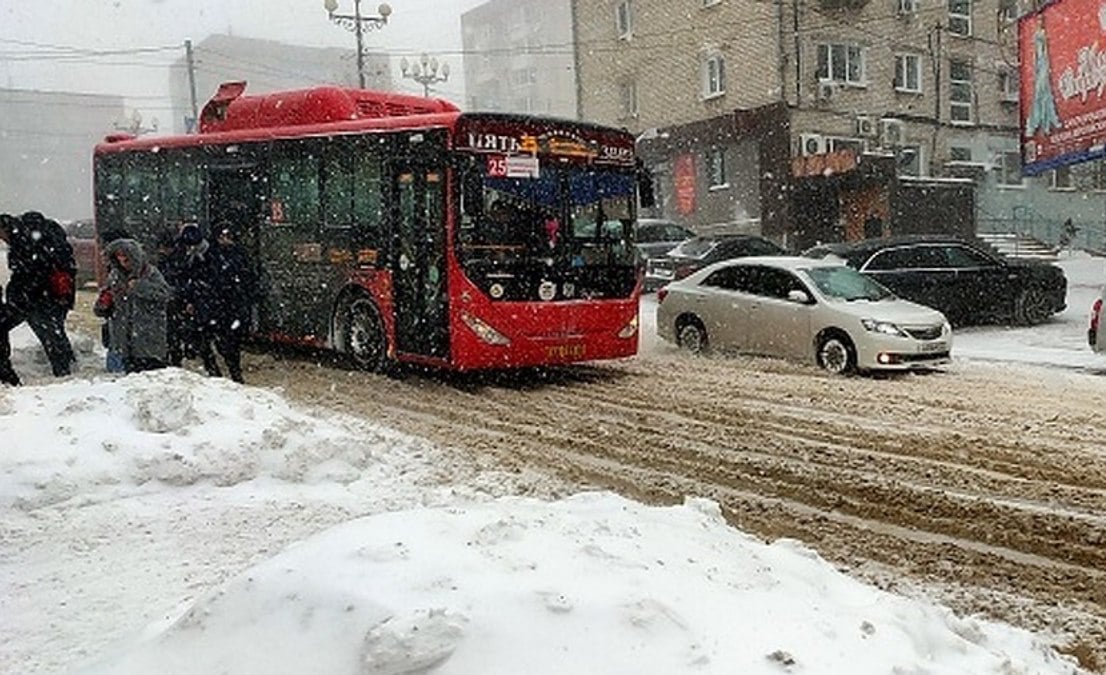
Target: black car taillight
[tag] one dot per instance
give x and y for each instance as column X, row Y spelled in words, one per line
column 662, row 293
column 1096, row 313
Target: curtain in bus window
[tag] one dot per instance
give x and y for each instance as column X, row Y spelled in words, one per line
column 368, row 209
column 337, row 190
column 516, row 212
column 181, row 189
column 296, row 191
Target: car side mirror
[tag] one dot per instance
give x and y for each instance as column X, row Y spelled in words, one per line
column 800, row 297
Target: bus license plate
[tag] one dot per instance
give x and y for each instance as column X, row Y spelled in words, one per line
column 565, row 352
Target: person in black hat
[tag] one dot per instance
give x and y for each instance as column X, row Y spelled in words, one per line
column 42, row 287
column 231, row 306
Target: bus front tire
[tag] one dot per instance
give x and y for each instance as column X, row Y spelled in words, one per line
column 360, row 335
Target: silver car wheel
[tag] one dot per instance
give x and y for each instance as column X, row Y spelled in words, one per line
column 1032, row 307
column 692, row 338
column 835, row 355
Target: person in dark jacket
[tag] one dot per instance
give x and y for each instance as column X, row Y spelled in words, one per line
column 231, row 303
column 42, row 287
column 135, row 307
column 197, row 293
column 7, row 372
column 180, row 334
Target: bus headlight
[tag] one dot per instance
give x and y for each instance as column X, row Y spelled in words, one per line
column 483, row 331
column 629, row 329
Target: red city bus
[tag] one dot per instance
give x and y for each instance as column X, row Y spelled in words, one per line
column 394, row 228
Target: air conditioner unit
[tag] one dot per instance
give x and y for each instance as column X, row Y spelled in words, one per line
column 908, row 8
column 890, row 132
column 812, row 144
column 825, row 91
column 865, row 126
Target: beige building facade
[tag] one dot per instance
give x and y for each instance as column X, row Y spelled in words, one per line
column 928, row 88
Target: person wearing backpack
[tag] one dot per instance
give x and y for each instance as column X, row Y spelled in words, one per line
column 42, row 287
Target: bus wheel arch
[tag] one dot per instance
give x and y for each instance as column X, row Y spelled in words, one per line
column 359, row 332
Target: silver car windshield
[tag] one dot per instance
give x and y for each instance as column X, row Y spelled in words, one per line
column 845, row 283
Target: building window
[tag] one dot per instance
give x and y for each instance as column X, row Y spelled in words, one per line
column 716, row 168
column 624, row 19
column 1009, row 84
column 840, row 143
column 1008, row 10
column 714, row 75
column 1098, row 179
column 711, row 3
column 959, row 153
column 908, row 160
column 1061, row 178
column 627, row 96
column 908, row 73
column 960, row 91
column 960, row 17
column 1010, row 173
column 841, row 63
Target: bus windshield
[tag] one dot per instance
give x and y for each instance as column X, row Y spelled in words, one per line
column 571, row 225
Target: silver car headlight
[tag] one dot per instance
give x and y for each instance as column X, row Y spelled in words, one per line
column 882, row 327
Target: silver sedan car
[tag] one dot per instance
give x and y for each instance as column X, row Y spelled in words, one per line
column 816, row 311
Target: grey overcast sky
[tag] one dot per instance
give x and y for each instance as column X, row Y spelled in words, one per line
column 29, row 26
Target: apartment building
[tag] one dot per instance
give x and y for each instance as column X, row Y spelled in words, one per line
column 518, row 57
column 906, row 110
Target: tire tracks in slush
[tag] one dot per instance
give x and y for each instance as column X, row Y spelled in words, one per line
column 987, row 481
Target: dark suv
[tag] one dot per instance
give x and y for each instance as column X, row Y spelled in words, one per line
column 967, row 282
column 698, row 252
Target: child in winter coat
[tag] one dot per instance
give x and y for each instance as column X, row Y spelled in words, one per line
column 134, row 305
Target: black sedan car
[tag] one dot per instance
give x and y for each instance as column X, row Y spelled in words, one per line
column 970, row 284
column 698, row 252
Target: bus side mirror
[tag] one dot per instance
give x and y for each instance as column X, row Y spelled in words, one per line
column 646, row 198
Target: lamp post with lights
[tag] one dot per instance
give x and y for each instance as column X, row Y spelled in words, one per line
column 359, row 24
column 426, row 72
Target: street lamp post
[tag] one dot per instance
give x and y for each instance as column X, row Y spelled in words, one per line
column 359, row 24
column 426, row 72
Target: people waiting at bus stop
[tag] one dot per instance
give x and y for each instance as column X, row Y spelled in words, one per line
column 42, row 288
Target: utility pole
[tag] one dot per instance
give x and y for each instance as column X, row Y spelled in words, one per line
column 935, row 55
column 194, row 124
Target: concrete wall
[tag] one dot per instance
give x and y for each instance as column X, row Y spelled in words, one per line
column 46, row 144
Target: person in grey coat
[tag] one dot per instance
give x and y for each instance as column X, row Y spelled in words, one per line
column 134, row 305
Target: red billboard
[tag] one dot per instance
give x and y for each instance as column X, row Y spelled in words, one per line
column 684, row 178
column 1062, row 56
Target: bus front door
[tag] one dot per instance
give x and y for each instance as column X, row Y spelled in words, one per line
column 418, row 262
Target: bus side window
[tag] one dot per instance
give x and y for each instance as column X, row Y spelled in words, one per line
column 368, row 199
column 295, row 181
column 337, row 188
column 142, row 197
column 182, row 188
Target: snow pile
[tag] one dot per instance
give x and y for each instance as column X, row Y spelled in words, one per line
column 108, row 437
column 590, row 584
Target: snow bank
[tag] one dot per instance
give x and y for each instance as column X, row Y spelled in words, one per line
column 591, row 584
column 106, row 437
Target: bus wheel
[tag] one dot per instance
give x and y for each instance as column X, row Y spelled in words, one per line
column 360, row 335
